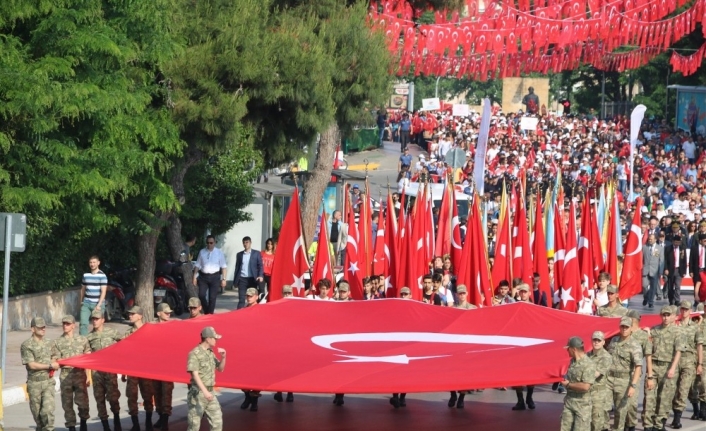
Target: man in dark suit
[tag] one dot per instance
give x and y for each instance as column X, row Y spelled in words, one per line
column 248, row 270
column 697, row 267
column 652, row 265
column 674, row 268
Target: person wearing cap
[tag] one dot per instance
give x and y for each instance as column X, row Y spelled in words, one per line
column 674, row 268
column 667, row 348
column 601, row 397
column 613, row 308
column 579, row 379
column 251, row 297
column 194, row 308
column 344, row 291
column 691, row 361
column 211, row 268
column 202, row 364
column 457, row 398
column 73, row 382
column 105, row 385
column 697, row 395
column 624, row 372
column 163, row 390
column 642, row 337
column 652, row 268
column 133, row 383
column 36, row 353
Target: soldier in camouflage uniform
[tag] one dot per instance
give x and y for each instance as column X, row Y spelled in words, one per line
column 163, row 390
column 624, row 372
column 614, row 308
column 642, row 337
column 133, row 383
column 667, row 347
column 36, row 357
column 698, row 389
column 580, row 377
column 689, row 363
column 74, row 381
column 202, row 365
column 601, row 397
column 105, row 385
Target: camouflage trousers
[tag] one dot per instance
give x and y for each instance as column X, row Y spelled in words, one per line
column 576, row 415
column 658, row 401
column 687, row 374
column 618, row 387
column 41, row 403
column 74, row 390
column 601, row 403
column 198, row 407
column 698, row 390
column 162, row 396
column 631, row 419
column 145, row 386
column 105, row 388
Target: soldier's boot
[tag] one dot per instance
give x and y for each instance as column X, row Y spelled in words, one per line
column 702, row 411
column 664, row 425
column 695, row 416
column 403, row 401
column 290, row 397
column 676, row 422
column 83, row 426
column 395, row 401
column 461, row 396
column 452, row 400
column 72, row 428
column 530, row 401
column 104, row 422
column 278, row 397
column 165, row 421
column 246, row 401
column 520, row 402
column 158, row 424
column 116, row 423
column 135, row 423
column 148, row 421
column 253, row 405
column 631, row 429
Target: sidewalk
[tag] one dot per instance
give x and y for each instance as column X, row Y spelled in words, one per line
column 14, row 389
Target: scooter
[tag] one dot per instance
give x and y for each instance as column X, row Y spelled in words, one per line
column 120, row 294
column 169, row 286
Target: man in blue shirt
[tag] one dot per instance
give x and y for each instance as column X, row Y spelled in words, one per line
column 405, row 128
column 405, row 160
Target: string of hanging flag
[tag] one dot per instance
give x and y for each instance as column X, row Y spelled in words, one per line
column 512, row 38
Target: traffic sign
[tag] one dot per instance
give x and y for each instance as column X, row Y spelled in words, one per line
column 18, row 237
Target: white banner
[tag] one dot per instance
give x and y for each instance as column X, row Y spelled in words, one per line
column 529, row 123
column 635, row 123
column 481, row 148
column 433, row 104
column 459, row 110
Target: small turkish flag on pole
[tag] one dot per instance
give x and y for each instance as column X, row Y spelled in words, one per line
column 631, row 278
column 322, row 261
column 571, row 292
column 290, row 260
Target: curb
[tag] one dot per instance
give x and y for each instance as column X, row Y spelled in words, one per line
column 18, row 394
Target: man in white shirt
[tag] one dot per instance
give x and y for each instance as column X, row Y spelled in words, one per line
column 689, row 150
column 211, row 269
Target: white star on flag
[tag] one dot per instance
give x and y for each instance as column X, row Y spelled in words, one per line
column 353, row 268
column 298, row 282
column 566, row 296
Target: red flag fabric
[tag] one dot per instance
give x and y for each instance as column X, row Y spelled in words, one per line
column 391, row 250
column 456, row 244
column 571, row 292
column 354, row 274
column 597, row 249
column 443, row 232
column 611, row 264
column 539, row 252
column 522, row 252
column 559, row 249
column 480, row 284
column 501, row 266
column 396, row 339
column 585, row 246
column 631, row 278
column 365, row 234
column 322, row 260
column 290, row 260
column 380, row 260
column 417, row 246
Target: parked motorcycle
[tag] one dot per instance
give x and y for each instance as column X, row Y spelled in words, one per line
column 169, row 286
column 120, row 294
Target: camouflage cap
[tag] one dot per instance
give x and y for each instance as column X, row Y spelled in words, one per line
column 194, row 302
column 461, row 289
column 634, row 314
column 685, row 304
column 38, row 322
column 96, row 314
column 598, row 335
column 209, row 332
column 575, row 342
column 626, row 321
column 68, row 319
column 666, row 309
column 344, row 287
column 522, row 287
column 251, row 291
column 286, row 288
column 405, row 290
column 164, row 308
column 135, row 309
column 611, row 289
column 700, row 308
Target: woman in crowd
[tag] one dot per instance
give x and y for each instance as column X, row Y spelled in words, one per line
column 268, row 259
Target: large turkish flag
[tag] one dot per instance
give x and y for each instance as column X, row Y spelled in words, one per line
column 381, row 346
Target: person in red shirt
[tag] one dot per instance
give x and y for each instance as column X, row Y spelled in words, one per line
column 268, row 260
